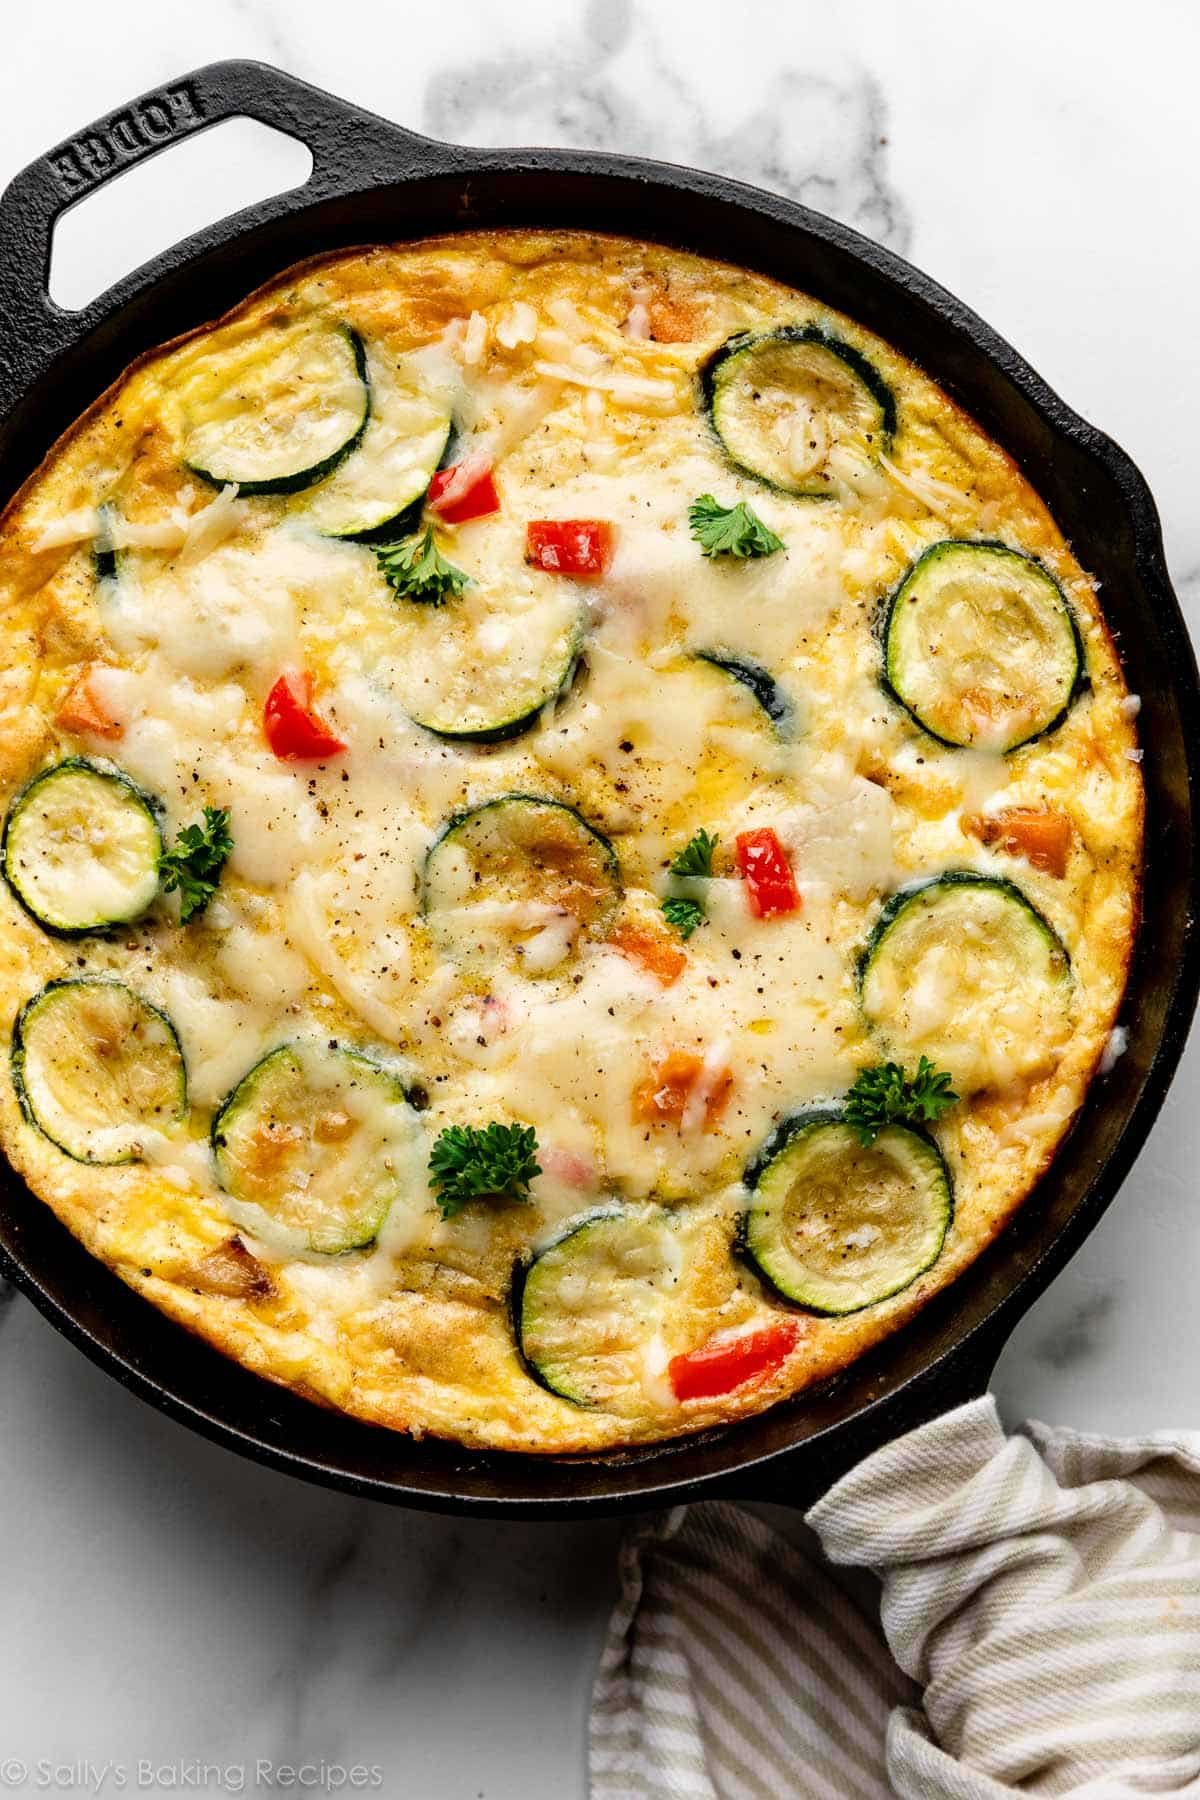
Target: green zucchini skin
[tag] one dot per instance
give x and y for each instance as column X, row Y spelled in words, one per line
column 552, row 1369
column 510, row 728
column 753, row 1241
column 112, row 777
column 106, row 567
column 470, row 812
column 557, row 686
column 296, row 480
column 860, row 366
column 888, row 614
column 106, row 558
column 777, row 705
column 362, row 1225
column 1012, row 986
column 407, row 522
column 516, row 1300
column 610, row 867
column 403, row 524
column 781, row 1135
column 523, row 1266
column 955, row 879
column 18, row 1056
column 406, row 519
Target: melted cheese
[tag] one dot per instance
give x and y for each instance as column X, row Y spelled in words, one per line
column 841, row 836
column 222, row 609
column 549, row 363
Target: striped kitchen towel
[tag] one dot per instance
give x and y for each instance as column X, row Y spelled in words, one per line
column 1037, row 1631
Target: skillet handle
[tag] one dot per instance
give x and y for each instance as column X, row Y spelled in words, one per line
column 964, row 1374
column 349, row 148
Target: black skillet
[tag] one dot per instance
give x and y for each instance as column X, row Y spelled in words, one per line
column 373, row 181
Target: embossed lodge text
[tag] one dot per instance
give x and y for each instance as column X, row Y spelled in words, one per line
column 126, row 136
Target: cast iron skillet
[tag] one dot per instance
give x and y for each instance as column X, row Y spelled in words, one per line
column 373, row 181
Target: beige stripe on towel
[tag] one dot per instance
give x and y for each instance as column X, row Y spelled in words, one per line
column 1037, row 1631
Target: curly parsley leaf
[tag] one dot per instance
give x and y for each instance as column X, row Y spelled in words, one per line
column 696, row 857
column 495, row 1162
column 194, row 864
column 730, row 530
column 416, row 569
column 883, row 1095
column 684, row 915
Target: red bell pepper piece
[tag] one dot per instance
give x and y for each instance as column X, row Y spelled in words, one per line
column 724, row 1364
column 569, row 546
column 465, row 490
column 763, row 865
column 294, row 728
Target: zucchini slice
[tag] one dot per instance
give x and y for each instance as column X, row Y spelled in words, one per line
column 280, row 413
column 95, row 1066
column 516, row 881
column 530, row 656
column 80, row 848
column 106, row 558
column 780, row 401
column 310, row 1145
column 377, row 491
column 762, row 685
column 586, row 1309
column 964, row 969
column 835, row 1225
column 980, row 646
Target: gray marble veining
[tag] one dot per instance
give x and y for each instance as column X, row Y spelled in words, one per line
column 816, row 136
column 1079, row 1333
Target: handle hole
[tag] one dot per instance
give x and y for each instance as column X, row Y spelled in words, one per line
column 156, row 203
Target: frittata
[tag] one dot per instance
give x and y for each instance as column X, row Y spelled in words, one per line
column 571, row 837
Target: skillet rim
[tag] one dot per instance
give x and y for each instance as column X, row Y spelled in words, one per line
column 360, row 160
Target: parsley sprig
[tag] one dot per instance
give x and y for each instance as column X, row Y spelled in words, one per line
column 696, row 857
column 495, row 1162
column 686, row 912
column 883, row 1095
column 730, row 530
column 194, row 864
column 416, row 569
column 684, row 915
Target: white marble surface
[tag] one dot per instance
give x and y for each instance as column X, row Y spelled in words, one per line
column 163, row 1599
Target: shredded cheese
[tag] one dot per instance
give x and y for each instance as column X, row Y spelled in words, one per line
column 72, row 528
column 626, row 390
column 938, row 497
column 518, row 325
